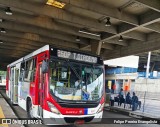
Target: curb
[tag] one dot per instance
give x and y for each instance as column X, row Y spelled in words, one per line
column 11, row 106
column 113, row 109
column 130, row 113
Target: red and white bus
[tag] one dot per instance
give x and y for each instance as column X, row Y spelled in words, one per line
column 64, row 86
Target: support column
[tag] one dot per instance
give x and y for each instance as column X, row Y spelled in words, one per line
column 148, row 64
column 96, row 47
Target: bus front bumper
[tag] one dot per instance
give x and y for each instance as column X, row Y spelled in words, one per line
column 50, row 118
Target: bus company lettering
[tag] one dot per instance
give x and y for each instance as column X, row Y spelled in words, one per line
column 76, row 56
column 75, row 112
column 72, row 112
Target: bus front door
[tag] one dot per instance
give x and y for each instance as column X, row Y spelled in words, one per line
column 40, row 92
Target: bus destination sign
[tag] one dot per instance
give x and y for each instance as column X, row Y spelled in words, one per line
column 76, row 56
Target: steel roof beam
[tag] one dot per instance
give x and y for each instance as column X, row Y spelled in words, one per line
column 38, row 1
column 108, row 46
column 14, row 48
column 154, row 27
column 96, row 47
column 12, row 53
column 6, row 59
column 152, row 4
column 57, row 13
column 115, row 41
column 149, row 18
column 153, row 36
column 9, row 55
column 19, row 41
column 104, row 46
column 103, row 10
column 40, row 42
column 46, row 23
column 32, row 29
column 134, row 48
column 23, row 46
column 135, row 34
column 17, row 4
column 144, row 21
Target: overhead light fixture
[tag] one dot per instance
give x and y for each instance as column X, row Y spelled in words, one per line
column 1, row 41
column 55, row 3
column 8, row 11
column 86, row 32
column 1, row 20
column 108, row 23
column 120, row 38
column 3, row 30
column 78, row 38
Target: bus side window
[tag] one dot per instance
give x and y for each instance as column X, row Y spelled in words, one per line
column 21, row 77
column 0, row 79
column 28, row 70
column 33, row 71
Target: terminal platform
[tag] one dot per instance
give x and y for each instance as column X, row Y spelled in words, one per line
column 6, row 112
column 129, row 112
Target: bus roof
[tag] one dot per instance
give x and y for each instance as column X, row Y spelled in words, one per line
column 44, row 48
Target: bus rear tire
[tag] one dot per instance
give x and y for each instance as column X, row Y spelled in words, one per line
column 29, row 109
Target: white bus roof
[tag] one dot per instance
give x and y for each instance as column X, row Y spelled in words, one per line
column 44, row 48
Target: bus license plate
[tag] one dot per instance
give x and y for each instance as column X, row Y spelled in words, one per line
column 79, row 122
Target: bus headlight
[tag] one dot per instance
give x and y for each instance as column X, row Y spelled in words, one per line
column 53, row 108
column 101, row 108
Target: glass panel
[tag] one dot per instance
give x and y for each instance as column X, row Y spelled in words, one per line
column 29, row 70
column 0, row 79
column 76, row 81
column 16, row 76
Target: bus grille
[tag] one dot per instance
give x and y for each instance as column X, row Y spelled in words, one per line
column 74, row 119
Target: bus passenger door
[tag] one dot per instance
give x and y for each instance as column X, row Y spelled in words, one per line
column 14, row 84
column 15, row 99
column 40, row 92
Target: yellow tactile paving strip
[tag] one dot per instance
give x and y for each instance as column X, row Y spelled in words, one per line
column 2, row 116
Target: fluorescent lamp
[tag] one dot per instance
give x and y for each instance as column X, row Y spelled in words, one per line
column 108, row 23
column 86, row 32
column 77, row 39
column 3, row 30
column 8, row 11
column 1, row 41
column 120, row 38
column 1, row 20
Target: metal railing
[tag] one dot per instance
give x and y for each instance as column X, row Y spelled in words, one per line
column 150, row 102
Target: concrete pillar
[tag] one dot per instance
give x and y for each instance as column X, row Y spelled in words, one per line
column 96, row 47
column 148, row 64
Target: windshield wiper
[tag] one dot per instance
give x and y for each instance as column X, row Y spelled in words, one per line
column 74, row 70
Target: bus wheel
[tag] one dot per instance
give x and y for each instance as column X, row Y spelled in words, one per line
column 30, row 109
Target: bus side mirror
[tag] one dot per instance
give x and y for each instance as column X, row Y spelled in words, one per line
column 44, row 67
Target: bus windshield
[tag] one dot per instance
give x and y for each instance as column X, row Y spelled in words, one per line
column 76, row 81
